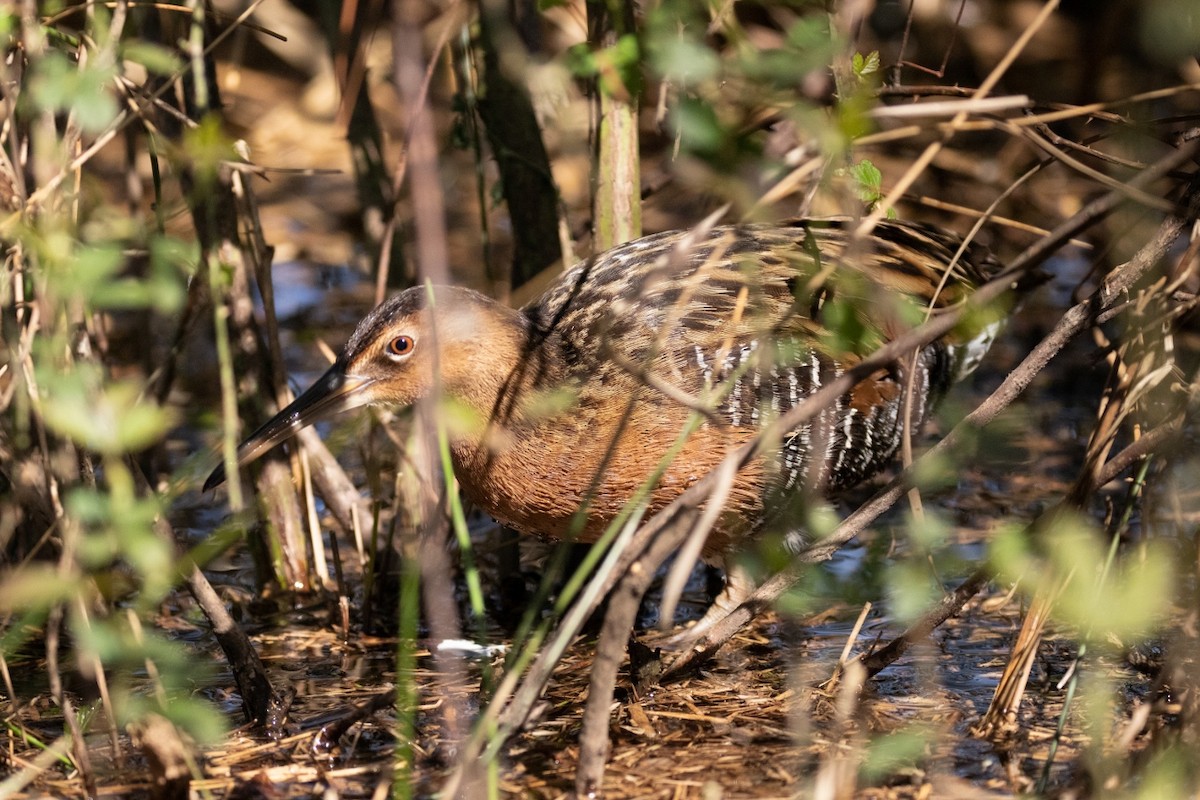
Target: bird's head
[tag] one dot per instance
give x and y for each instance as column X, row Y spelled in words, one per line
column 392, row 358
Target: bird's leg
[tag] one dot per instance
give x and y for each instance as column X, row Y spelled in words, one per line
column 739, row 584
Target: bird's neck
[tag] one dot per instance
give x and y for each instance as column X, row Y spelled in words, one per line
column 505, row 377
column 520, row 405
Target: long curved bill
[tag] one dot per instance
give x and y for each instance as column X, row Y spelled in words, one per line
column 334, row 392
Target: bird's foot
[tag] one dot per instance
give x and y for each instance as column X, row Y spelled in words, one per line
column 682, row 640
column 739, row 585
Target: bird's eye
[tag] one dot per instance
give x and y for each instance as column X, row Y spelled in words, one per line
column 400, row 346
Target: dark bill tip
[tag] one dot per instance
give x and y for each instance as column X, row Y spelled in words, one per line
column 335, row 391
column 215, row 478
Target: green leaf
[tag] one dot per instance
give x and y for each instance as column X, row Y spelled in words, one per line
column 197, row 717
column 25, row 627
column 811, row 44
column 134, row 293
column 865, row 65
column 911, row 589
column 627, row 51
column 581, row 61
column 697, row 121
column 618, row 68
column 51, row 85
column 686, row 60
column 847, row 330
column 853, row 118
column 155, row 58
column 36, row 586
column 106, row 639
column 60, row 86
column 172, row 263
column 93, row 266
column 1131, row 602
column 1069, row 556
column 89, row 506
column 868, row 180
column 930, row 532
column 109, row 419
column 94, row 106
column 91, row 273
column 820, row 520
column 934, row 472
column 1011, row 554
column 208, row 147
column 892, row 752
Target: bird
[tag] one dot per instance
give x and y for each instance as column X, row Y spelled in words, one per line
column 698, row 336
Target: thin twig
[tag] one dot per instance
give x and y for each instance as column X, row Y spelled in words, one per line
column 944, row 108
column 909, row 177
